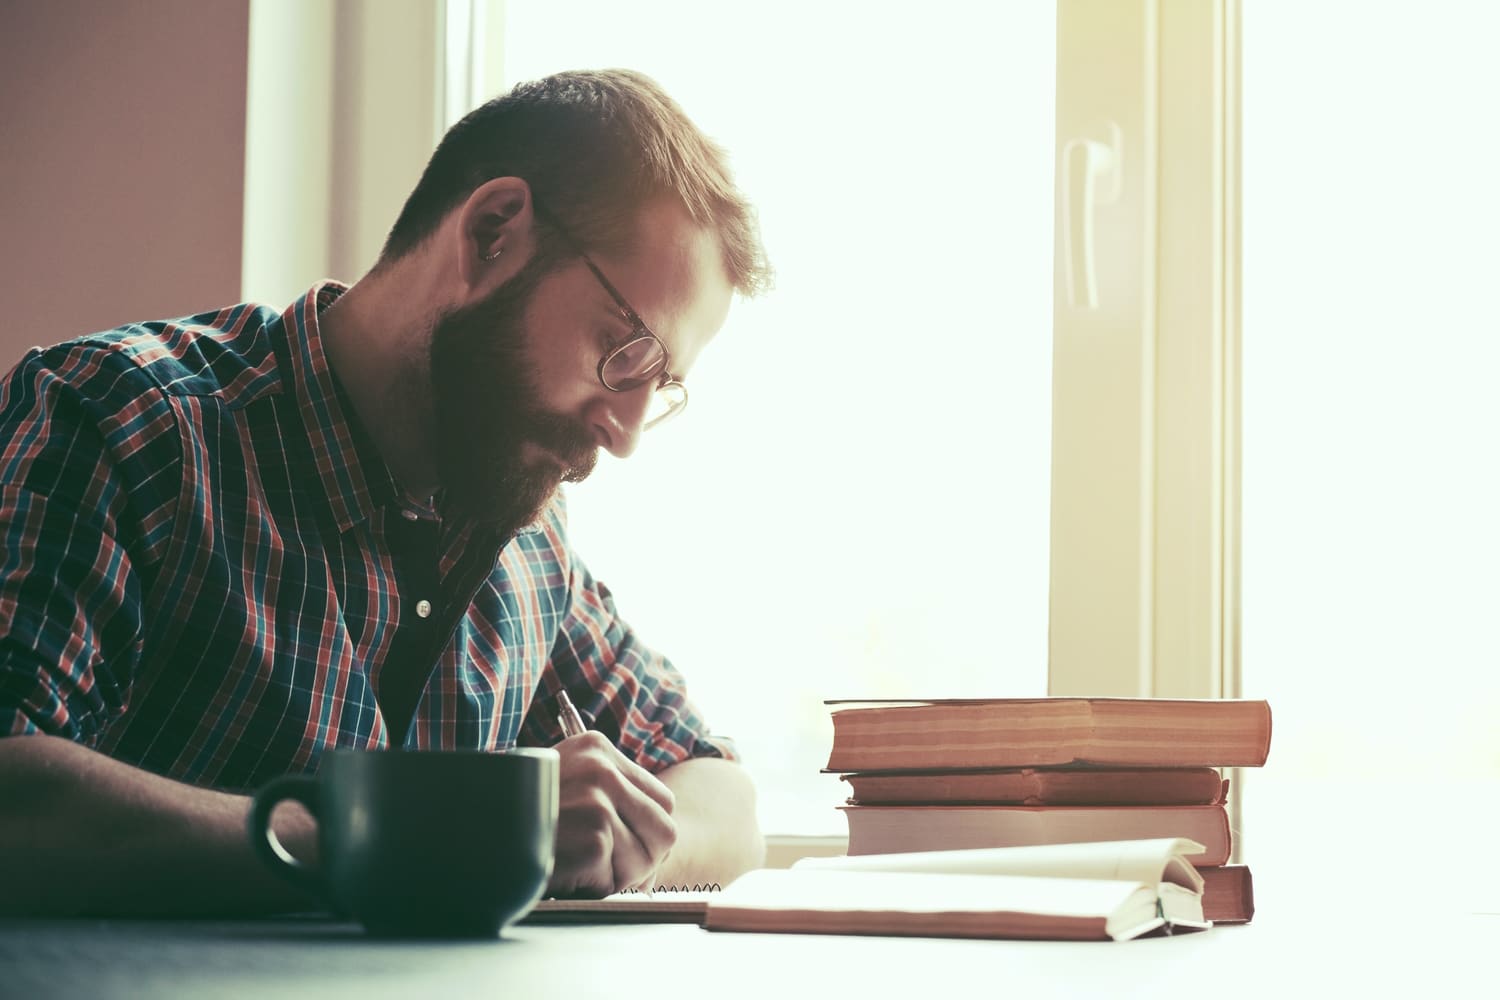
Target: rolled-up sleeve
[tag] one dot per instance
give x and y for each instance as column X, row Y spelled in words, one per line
column 70, row 603
column 623, row 688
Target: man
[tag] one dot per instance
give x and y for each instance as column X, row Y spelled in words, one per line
column 234, row 541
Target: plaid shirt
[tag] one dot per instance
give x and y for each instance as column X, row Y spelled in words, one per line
column 197, row 572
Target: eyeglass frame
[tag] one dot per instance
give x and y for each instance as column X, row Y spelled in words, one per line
column 639, row 330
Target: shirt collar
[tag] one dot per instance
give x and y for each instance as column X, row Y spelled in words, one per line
column 355, row 480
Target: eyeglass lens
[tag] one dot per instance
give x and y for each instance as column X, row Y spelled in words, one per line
column 634, row 364
column 665, row 402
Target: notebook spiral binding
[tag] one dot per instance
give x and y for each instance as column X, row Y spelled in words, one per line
column 695, row 887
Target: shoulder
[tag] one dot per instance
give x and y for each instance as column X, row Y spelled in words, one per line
column 228, row 353
column 126, row 385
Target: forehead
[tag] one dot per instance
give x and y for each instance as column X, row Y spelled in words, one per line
column 675, row 280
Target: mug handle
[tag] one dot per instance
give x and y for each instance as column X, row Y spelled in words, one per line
column 301, row 788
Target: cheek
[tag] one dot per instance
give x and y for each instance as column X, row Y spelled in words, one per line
column 562, row 367
column 564, row 342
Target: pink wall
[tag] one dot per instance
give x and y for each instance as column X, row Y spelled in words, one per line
column 122, row 149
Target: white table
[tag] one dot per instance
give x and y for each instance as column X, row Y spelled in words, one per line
column 1306, row 941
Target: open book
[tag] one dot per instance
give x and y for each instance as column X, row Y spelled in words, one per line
column 1118, row 889
column 1097, row 891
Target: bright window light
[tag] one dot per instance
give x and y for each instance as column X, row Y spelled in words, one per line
column 1371, row 346
column 856, row 502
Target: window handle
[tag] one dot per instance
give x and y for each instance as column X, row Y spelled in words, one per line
column 1091, row 177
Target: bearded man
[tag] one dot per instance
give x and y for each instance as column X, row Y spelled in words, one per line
column 235, row 541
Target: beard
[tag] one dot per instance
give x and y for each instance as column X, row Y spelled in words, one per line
column 486, row 410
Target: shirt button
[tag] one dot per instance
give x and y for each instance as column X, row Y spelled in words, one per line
column 410, row 515
column 424, row 608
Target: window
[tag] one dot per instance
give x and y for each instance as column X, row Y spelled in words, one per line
column 856, row 502
column 920, row 448
column 1370, row 491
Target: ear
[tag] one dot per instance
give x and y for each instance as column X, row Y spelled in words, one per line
column 496, row 234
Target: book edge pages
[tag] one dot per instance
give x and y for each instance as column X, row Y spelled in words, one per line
column 882, row 823
column 920, row 905
column 1040, row 786
column 847, row 703
column 1155, row 860
column 1249, row 754
column 996, row 925
column 1171, row 906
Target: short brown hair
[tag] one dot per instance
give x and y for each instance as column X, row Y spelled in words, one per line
column 594, row 146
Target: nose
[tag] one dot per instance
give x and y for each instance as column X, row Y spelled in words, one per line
column 618, row 418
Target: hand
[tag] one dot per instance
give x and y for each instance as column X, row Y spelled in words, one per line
column 614, row 824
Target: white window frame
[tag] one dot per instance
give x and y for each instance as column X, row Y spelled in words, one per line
column 338, row 129
column 1145, row 488
column 1145, row 556
column 1146, row 400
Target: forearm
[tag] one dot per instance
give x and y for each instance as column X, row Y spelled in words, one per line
column 718, row 836
column 83, row 833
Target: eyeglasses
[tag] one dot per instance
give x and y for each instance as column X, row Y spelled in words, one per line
column 642, row 358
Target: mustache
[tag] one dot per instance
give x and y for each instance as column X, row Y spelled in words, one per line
column 566, row 439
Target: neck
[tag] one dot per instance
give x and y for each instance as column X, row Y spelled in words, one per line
column 376, row 338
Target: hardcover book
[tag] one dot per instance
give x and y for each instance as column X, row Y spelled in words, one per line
column 1031, row 786
column 897, row 829
column 1049, row 732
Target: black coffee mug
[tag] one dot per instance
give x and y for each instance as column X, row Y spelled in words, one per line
column 425, row 843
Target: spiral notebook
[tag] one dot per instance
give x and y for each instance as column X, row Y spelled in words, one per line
column 675, row 904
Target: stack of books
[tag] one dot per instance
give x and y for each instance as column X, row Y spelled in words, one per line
column 964, row 774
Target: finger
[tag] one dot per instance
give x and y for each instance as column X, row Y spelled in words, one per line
column 649, row 884
column 630, row 864
column 597, row 851
column 611, row 833
column 580, row 750
column 643, row 779
column 644, row 836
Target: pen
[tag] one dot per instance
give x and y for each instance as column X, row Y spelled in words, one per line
column 568, row 718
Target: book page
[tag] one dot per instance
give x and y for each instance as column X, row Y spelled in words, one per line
column 1148, row 861
column 911, row 892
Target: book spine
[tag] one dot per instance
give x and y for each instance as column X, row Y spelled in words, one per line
column 1228, row 894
